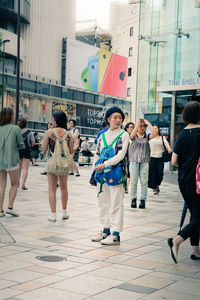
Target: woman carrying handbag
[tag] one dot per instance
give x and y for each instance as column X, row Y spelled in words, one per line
column 160, row 153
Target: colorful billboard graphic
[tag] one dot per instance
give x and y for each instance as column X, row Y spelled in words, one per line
column 95, row 69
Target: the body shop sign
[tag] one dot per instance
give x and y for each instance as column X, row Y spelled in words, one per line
column 184, row 81
column 88, row 116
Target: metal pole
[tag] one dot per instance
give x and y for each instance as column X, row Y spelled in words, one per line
column 18, row 62
column 173, row 122
column 3, row 75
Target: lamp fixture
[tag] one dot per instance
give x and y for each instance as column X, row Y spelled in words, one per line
column 179, row 33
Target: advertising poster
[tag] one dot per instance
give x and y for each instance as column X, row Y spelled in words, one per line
column 96, row 70
column 68, row 108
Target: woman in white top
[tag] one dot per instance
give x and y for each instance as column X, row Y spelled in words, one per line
column 156, row 164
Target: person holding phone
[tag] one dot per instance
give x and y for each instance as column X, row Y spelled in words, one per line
column 139, row 156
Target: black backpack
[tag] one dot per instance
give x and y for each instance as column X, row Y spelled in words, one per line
column 27, row 150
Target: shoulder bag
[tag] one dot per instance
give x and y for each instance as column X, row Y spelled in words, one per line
column 166, row 156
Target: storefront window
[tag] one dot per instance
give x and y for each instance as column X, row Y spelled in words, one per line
column 68, row 108
column 30, row 107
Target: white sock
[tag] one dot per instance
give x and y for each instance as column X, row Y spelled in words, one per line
column 53, row 215
column 64, row 211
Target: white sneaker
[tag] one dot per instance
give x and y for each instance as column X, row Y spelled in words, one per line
column 12, row 212
column 51, row 218
column 2, row 214
column 65, row 216
column 99, row 237
column 111, row 240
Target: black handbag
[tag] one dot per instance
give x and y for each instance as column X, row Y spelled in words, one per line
column 166, row 156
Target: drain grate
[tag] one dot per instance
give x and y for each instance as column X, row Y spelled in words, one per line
column 51, row 258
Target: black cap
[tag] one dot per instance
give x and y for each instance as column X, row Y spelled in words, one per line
column 112, row 110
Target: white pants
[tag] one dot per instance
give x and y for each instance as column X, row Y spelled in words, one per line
column 111, row 207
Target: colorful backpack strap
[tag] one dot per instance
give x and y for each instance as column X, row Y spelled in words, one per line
column 105, row 142
column 116, row 138
column 101, row 188
column 104, row 139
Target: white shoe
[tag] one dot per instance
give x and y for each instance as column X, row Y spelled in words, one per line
column 2, row 214
column 99, row 237
column 12, row 212
column 111, row 240
column 51, row 218
column 65, row 216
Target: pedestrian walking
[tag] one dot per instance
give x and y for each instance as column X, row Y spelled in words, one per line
column 185, row 156
column 25, row 154
column 111, row 193
column 139, row 156
column 10, row 143
column 60, row 143
column 129, row 128
column 35, row 149
column 156, row 164
column 75, row 134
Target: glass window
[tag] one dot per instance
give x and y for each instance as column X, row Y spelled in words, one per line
column 79, row 96
column 11, row 82
column 130, row 51
column 42, row 88
column 129, row 72
column 100, row 100
column 128, row 92
column 67, row 93
column 28, row 85
column 127, row 106
column 89, row 98
column 109, row 101
column 131, row 31
column 90, row 116
column 56, row 91
column 68, row 108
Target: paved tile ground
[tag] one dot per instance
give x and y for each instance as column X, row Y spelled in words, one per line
column 140, row 268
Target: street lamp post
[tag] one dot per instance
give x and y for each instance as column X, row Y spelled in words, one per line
column 18, row 61
column 3, row 69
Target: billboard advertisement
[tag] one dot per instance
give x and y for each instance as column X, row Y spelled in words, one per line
column 96, row 70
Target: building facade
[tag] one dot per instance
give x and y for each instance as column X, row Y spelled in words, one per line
column 169, row 59
column 124, row 28
column 44, row 26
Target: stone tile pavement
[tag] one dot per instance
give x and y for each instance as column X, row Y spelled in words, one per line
column 140, row 268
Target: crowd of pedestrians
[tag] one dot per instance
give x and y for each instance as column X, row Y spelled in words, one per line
column 125, row 153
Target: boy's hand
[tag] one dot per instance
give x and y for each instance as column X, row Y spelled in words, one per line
column 99, row 168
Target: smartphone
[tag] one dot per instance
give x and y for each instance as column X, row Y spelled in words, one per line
column 115, row 78
column 85, row 78
column 93, row 66
column 104, row 58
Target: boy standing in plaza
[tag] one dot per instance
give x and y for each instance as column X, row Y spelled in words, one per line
column 111, row 198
